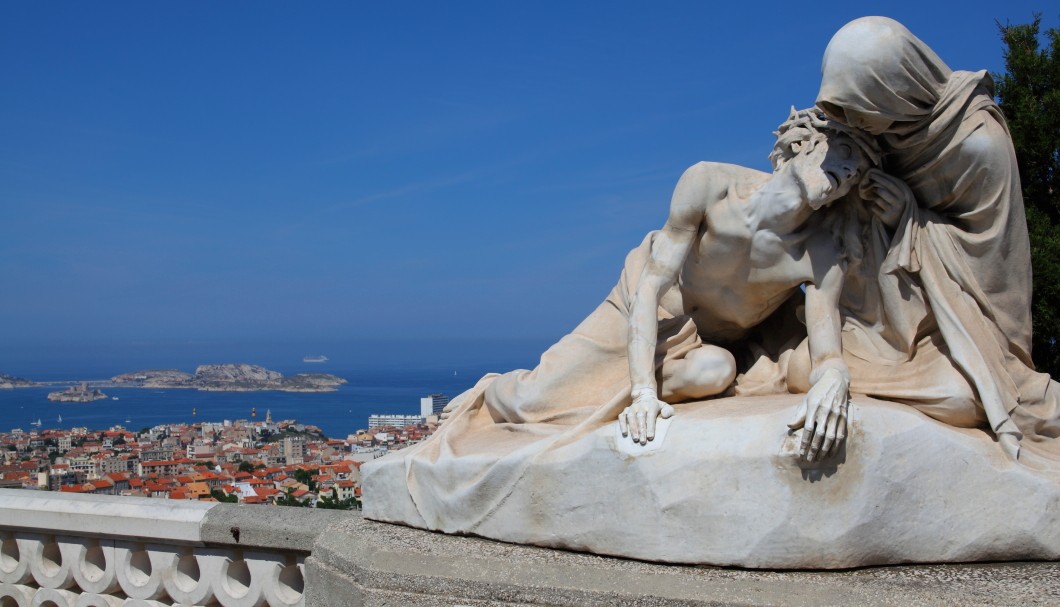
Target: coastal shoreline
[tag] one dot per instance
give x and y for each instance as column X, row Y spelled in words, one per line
column 229, row 377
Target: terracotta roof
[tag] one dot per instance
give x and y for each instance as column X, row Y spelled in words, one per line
column 171, row 462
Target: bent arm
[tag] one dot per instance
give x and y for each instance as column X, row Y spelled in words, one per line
column 669, row 249
column 668, row 252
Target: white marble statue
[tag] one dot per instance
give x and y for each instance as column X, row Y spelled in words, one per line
column 823, row 366
column 736, row 245
column 948, row 327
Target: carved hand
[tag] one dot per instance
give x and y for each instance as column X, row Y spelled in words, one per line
column 888, row 194
column 638, row 420
column 823, row 416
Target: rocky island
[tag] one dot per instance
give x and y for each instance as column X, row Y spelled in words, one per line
column 230, row 378
column 8, row 382
column 76, row 394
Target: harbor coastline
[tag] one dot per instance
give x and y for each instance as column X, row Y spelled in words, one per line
column 229, row 377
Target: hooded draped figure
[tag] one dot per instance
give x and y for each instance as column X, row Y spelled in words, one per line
column 939, row 314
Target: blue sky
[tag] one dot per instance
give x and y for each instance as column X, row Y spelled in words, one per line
column 322, row 171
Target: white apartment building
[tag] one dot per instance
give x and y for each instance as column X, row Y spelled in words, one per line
column 398, row 421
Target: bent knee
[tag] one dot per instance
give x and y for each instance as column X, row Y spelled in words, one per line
column 715, row 366
column 706, row 371
column 955, row 402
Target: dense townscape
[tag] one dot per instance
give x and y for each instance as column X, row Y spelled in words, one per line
column 251, row 462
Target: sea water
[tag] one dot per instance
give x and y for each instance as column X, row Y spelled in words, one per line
column 386, row 383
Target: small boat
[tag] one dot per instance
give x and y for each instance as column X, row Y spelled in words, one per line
column 114, row 398
column 36, row 423
column 60, row 418
column 315, row 359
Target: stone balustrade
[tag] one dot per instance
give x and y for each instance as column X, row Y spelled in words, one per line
column 68, row 550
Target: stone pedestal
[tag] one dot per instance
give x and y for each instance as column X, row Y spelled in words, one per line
column 360, row 563
column 723, row 487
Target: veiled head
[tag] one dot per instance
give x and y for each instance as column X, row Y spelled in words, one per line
column 876, row 73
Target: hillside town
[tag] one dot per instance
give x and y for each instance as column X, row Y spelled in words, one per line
column 249, row 462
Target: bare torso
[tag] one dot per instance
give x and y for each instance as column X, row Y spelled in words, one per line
column 739, row 271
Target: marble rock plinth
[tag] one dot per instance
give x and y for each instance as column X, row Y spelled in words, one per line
column 722, row 486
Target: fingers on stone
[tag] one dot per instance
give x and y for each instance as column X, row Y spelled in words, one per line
column 800, row 417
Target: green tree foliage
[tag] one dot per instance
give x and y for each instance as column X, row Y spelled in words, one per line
column 245, row 466
column 288, row 499
column 306, row 478
column 333, row 502
column 1029, row 95
column 220, row 496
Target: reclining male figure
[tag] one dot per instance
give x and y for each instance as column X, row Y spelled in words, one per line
column 736, row 245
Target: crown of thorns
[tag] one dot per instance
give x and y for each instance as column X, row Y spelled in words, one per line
column 814, row 120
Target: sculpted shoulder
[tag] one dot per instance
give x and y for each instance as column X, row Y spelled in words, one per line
column 719, row 179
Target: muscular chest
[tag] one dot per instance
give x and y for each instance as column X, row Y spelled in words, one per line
column 740, row 252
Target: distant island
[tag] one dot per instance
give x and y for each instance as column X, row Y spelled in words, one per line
column 76, row 394
column 7, row 382
column 230, row 378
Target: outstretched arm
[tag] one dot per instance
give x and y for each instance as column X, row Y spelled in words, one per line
column 823, row 413
column 669, row 249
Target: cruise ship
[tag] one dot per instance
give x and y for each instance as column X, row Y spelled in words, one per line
column 315, row 359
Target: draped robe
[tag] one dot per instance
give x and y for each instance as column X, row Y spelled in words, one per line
column 943, row 303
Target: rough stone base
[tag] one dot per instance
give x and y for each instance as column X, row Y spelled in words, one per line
column 724, row 487
column 363, row 563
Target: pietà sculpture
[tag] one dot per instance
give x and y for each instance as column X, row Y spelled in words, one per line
column 823, row 366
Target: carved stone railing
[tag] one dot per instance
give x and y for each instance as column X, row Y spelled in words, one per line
column 67, row 550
